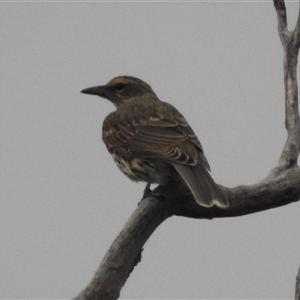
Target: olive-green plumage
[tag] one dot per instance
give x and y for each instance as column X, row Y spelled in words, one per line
column 151, row 141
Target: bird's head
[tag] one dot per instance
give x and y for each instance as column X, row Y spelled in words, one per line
column 122, row 89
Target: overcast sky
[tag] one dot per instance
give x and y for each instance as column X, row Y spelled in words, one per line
column 63, row 200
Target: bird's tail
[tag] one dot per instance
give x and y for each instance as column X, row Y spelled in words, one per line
column 205, row 190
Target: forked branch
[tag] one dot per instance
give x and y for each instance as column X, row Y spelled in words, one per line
column 280, row 187
column 290, row 41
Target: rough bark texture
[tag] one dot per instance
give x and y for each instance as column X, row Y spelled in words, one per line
column 280, row 187
column 125, row 251
column 297, row 294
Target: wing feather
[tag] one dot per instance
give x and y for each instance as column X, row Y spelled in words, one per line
column 157, row 137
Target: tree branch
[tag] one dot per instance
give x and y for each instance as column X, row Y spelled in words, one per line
column 280, row 187
column 297, row 293
column 290, row 42
column 281, row 18
column 243, row 200
column 125, row 251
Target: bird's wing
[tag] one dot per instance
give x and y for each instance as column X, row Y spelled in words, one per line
column 172, row 140
column 157, row 137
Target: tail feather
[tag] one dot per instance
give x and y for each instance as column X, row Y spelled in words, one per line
column 204, row 189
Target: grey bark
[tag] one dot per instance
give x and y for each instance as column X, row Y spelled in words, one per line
column 280, row 187
column 297, row 293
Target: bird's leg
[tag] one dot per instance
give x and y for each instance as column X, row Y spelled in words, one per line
column 147, row 190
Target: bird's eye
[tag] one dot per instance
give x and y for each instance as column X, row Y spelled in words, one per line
column 119, row 87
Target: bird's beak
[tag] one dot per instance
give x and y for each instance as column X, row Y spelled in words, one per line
column 96, row 90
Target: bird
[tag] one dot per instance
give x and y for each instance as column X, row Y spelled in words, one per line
column 152, row 142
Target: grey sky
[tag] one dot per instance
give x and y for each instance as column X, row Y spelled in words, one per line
column 220, row 64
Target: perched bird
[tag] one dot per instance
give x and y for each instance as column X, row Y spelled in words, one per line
column 151, row 141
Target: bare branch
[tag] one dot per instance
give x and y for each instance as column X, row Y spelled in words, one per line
column 243, row 200
column 297, row 28
column 125, row 251
column 115, row 267
column 281, row 17
column 297, row 293
column 290, row 42
column 280, row 187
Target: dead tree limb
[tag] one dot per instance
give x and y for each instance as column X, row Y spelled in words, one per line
column 124, row 251
column 297, row 293
column 290, row 41
column 280, row 187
